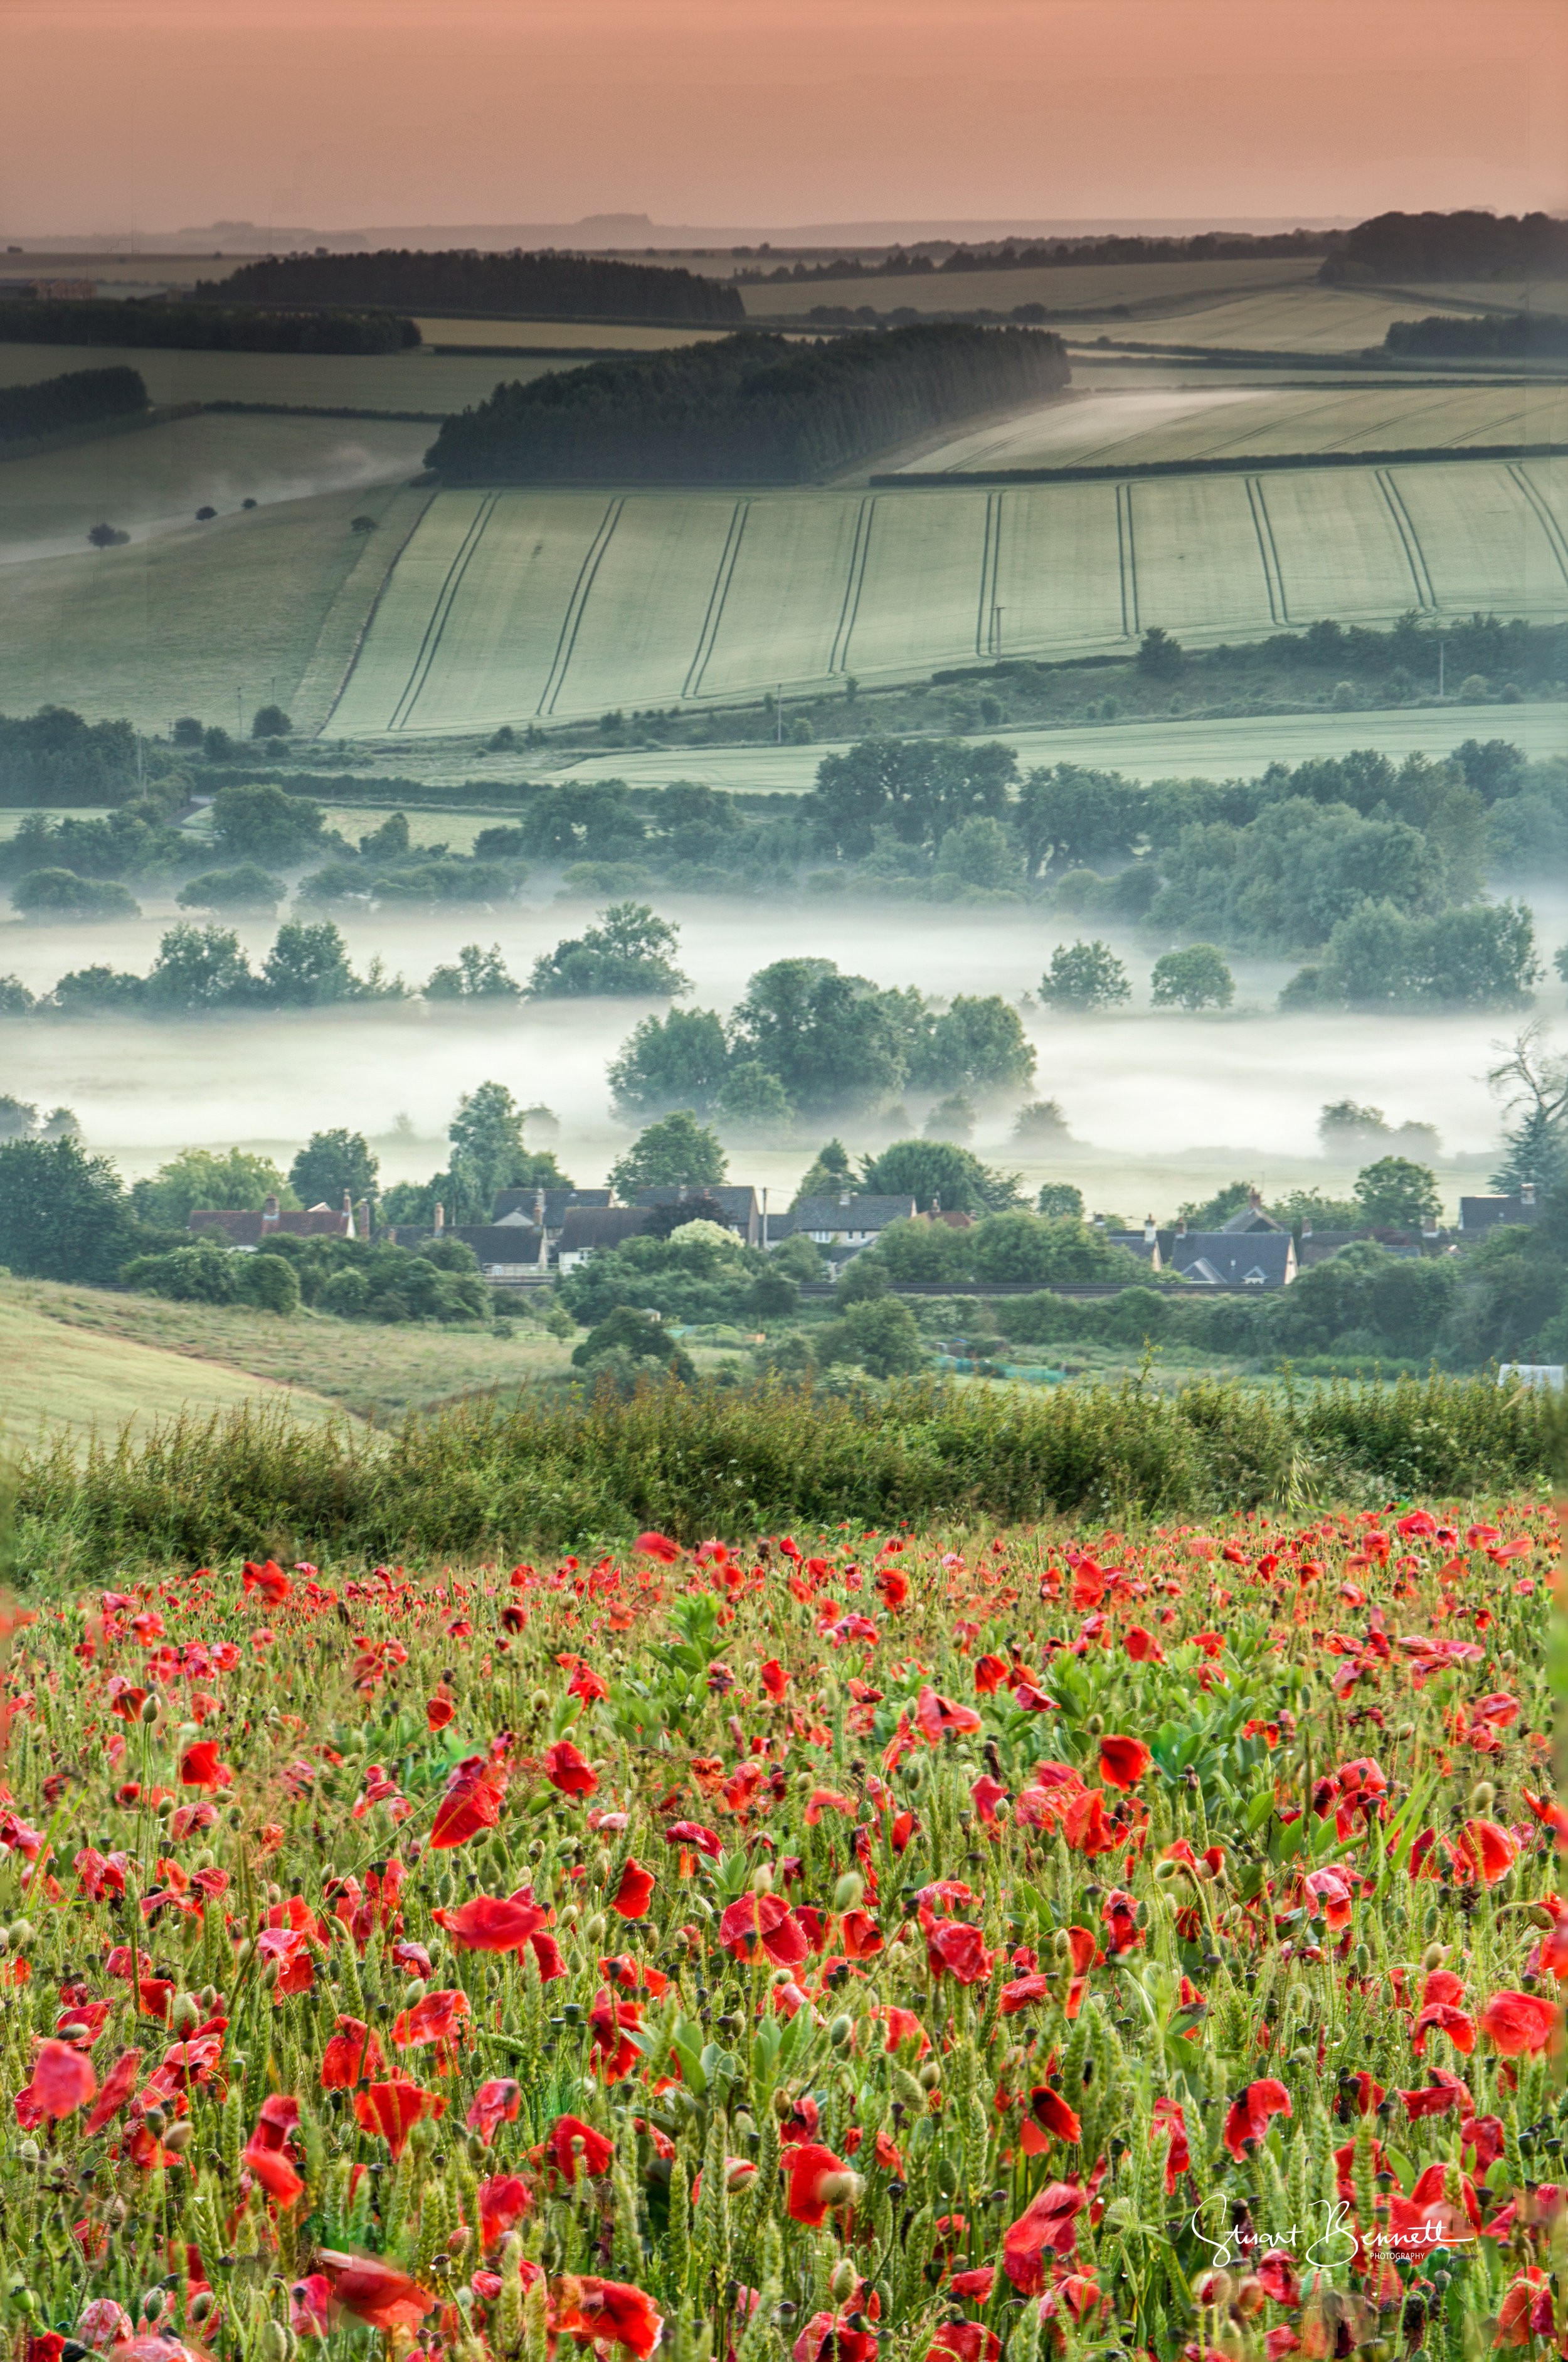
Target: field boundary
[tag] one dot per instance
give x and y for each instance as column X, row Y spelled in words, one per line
column 572, row 621
column 98, row 430
column 322, row 410
column 718, row 593
column 1556, row 541
column 1239, row 464
column 990, row 568
column 1127, row 562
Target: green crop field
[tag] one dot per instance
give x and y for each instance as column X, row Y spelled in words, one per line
column 587, row 336
column 161, row 474
column 1301, row 319
column 512, row 603
column 1131, row 427
column 430, row 383
column 1093, row 288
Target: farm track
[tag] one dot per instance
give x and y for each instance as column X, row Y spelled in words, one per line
column 571, row 622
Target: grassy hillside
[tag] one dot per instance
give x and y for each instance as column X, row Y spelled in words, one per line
column 560, row 604
column 427, row 382
column 82, row 1354
column 76, row 1362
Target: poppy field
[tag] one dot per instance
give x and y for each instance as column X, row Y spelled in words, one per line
column 847, row 1946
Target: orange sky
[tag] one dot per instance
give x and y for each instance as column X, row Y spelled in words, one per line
column 330, row 112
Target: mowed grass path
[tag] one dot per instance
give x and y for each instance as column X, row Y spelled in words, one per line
column 508, row 604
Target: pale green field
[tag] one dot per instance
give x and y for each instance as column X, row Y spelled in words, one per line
column 519, row 602
column 1091, row 288
column 181, row 622
column 1302, row 319
column 587, row 336
column 162, row 474
column 1523, row 295
column 426, row 383
column 1131, row 427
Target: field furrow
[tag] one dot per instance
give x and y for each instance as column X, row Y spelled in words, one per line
column 921, row 590
column 1341, row 553
column 1482, row 540
column 644, row 616
column 1198, row 567
column 1058, row 584
column 782, row 616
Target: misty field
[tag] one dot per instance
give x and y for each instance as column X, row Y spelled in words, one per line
column 521, row 602
column 160, row 475
column 1133, row 428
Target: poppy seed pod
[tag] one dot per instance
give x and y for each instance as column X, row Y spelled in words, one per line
column 201, row 2304
column 1434, row 1955
column 151, row 1706
column 762, row 1879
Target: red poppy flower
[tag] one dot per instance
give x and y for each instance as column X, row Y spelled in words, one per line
column 956, row 1948
column 567, row 1769
column 63, row 2079
column 471, row 1802
column 966, row 2341
column 1249, row 2115
column 200, row 1767
column 494, row 2103
column 1520, row 2024
column 119, row 2084
column 1047, row 2113
column 859, row 1935
column 632, row 1897
column 1142, row 1647
column 266, row 2152
column 487, row 1924
column 818, row 2180
column 269, row 1580
column 1168, row 2117
column 374, row 2292
column 352, row 2053
column 439, row 1712
column 501, row 2200
column 657, row 1545
column 1489, row 1847
column 392, row 2109
column 692, row 1833
column 827, row 2337
column 436, row 2018
column 611, row 2023
column 1046, row 2226
column 990, row 1675
column 596, row 2155
column 775, row 1679
column 1123, row 1761
column 763, row 1922
column 612, row 2312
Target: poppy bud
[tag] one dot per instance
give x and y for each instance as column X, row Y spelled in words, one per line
column 413, row 1993
column 1165, row 1873
column 762, row 1879
column 846, row 1894
column 1483, row 1796
column 840, row 2031
column 184, row 2014
column 840, row 2189
column 595, row 1928
column 1364, row 1960
column 151, row 1706
column 200, row 2305
column 269, row 1973
column 782, row 2104
column 179, row 2136
column 274, row 2345
column 540, row 1702
column 930, row 2075
column 739, row 2174
column 1434, row 1955
column 28, row 2152
column 155, row 2119
column 1096, row 1725
column 841, row 2286
column 151, row 2303
column 22, row 1933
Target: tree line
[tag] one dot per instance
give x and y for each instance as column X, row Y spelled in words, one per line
column 579, row 286
column 1051, row 253
column 1462, row 245
column 749, row 406
column 200, row 327
column 1488, row 336
column 79, row 398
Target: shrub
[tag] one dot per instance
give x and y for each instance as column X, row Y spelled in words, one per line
column 249, row 887
column 1197, row 977
column 61, row 894
column 1085, row 975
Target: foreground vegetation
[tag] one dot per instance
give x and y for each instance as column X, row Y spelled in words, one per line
column 800, row 1944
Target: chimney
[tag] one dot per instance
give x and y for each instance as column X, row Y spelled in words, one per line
column 1180, row 1229
column 1150, row 1232
column 936, row 1205
column 440, row 1218
column 270, row 1210
column 1306, row 1228
column 843, row 1196
column 348, row 1214
column 1527, row 1193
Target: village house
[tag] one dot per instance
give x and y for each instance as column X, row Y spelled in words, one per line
column 247, row 1226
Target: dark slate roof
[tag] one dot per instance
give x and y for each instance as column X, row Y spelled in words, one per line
column 526, row 1201
column 242, row 1227
column 837, row 1214
column 585, row 1226
column 499, row 1242
column 1146, row 1250
column 1234, row 1258
column 1249, row 1218
column 1485, row 1213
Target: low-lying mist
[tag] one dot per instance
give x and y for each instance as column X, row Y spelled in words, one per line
column 1155, row 1099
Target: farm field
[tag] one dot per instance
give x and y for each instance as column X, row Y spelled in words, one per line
column 1094, row 288
column 520, row 602
column 428, row 383
column 396, row 1734
column 1223, row 748
column 182, row 622
column 1141, row 424
column 161, row 475
column 70, row 1364
column 1301, row 319
column 1520, row 294
column 87, row 1354
column 586, row 336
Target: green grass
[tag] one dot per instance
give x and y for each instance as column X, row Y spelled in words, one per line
column 1092, row 288
column 550, row 1470
column 414, row 381
column 559, row 603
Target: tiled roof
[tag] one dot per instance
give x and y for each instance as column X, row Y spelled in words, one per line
column 852, row 1214
column 585, row 1226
